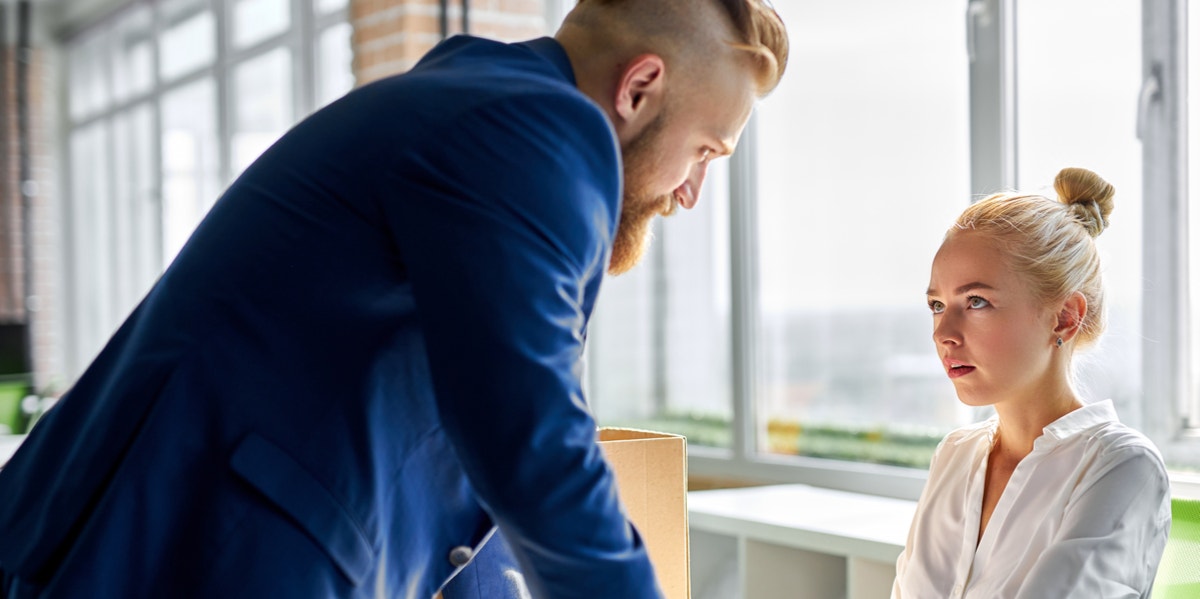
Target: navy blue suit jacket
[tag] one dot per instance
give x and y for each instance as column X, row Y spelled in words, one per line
column 367, row 353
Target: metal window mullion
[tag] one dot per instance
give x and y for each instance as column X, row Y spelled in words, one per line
column 110, row 112
column 1162, row 127
column 222, row 73
column 660, row 340
column 843, row 475
column 115, row 293
column 992, row 55
column 238, row 55
column 743, row 241
column 324, row 21
column 156, row 133
column 304, row 72
column 70, row 271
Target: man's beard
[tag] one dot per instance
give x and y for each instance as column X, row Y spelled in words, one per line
column 640, row 156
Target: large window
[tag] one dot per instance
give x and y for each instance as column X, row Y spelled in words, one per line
column 659, row 342
column 169, row 100
column 781, row 324
column 1088, row 119
column 790, row 340
column 862, row 165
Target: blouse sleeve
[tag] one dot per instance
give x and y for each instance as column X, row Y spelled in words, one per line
column 1112, row 536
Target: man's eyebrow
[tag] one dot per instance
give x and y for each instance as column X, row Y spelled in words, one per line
column 965, row 288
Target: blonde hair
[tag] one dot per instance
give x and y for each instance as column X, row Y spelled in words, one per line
column 1052, row 243
column 758, row 30
column 763, row 36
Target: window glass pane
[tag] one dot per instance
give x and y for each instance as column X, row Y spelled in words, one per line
column 256, row 20
column 335, row 69
column 863, row 166
column 189, row 161
column 263, row 87
column 1079, row 71
column 135, row 204
column 1193, row 111
column 659, row 342
column 188, row 39
column 133, row 59
column 556, row 11
column 88, row 78
column 327, row 6
column 92, row 236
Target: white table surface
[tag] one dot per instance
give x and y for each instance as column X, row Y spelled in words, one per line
column 836, row 522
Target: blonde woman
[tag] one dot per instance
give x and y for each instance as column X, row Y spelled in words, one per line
column 1052, row 496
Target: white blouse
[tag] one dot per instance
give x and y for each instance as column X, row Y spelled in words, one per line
column 1085, row 514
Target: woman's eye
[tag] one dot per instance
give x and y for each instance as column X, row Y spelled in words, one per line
column 937, row 307
column 977, row 302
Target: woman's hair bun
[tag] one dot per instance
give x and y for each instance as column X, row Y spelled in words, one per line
column 1087, row 196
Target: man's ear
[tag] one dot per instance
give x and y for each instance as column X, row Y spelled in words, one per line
column 1070, row 316
column 641, row 86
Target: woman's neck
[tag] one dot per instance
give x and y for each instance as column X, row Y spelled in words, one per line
column 1023, row 419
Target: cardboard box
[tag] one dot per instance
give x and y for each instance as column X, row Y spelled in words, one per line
column 651, row 471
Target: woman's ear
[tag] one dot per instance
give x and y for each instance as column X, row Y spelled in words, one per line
column 640, row 89
column 1070, row 316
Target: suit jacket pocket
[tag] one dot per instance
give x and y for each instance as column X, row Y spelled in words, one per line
column 295, row 492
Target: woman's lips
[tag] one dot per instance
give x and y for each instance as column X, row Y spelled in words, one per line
column 960, row 371
column 955, row 368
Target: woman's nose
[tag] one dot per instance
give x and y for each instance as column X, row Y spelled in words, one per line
column 946, row 330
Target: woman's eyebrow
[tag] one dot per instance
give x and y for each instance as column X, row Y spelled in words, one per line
column 965, row 288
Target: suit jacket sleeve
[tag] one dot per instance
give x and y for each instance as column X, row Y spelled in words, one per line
column 505, row 229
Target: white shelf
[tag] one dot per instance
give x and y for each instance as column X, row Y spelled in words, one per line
column 795, row 541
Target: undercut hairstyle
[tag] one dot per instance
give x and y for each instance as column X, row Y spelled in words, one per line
column 762, row 35
column 755, row 27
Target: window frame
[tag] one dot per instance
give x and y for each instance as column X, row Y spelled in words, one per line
column 1171, row 412
column 103, row 18
column 1166, row 401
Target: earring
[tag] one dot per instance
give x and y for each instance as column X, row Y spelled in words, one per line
column 1059, row 342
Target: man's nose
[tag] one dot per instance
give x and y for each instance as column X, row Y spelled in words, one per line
column 694, row 183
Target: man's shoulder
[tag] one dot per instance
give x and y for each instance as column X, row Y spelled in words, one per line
column 494, row 69
column 466, row 77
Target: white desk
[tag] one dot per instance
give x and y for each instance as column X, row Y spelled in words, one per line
column 795, row 542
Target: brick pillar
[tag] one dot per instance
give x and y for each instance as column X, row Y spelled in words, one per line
column 391, row 35
column 46, row 242
column 11, row 270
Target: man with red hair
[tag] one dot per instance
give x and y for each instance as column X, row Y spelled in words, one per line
column 367, row 356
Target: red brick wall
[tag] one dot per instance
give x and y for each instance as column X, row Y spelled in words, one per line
column 391, row 35
column 11, row 266
column 45, row 235
column 47, row 230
